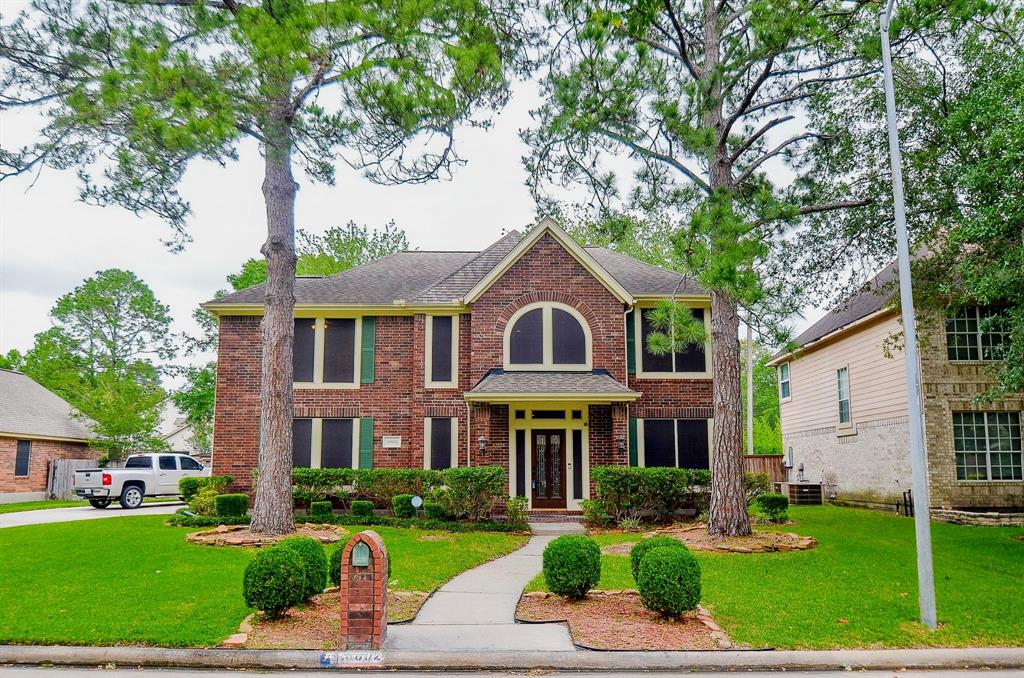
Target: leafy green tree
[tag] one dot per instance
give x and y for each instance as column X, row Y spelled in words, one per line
column 767, row 431
column 196, row 401
column 135, row 89
column 104, row 356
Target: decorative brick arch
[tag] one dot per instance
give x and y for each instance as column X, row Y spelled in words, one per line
column 363, row 594
column 542, row 296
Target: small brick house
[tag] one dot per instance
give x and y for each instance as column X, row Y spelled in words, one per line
column 36, row 427
column 844, row 410
column 529, row 355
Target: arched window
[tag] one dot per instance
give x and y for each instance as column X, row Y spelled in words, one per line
column 549, row 336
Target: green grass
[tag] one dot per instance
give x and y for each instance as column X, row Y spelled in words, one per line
column 858, row 587
column 20, row 506
column 135, row 581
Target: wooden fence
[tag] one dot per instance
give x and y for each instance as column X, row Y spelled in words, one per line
column 766, row 463
column 60, row 484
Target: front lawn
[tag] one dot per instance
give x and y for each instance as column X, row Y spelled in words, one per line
column 858, row 588
column 135, row 581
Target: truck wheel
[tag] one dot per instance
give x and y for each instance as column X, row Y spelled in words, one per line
column 131, row 497
column 99, row 503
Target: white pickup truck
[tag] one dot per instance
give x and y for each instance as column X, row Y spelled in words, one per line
column 143, row 475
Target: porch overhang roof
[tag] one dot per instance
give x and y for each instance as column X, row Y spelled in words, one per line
column 512, row 387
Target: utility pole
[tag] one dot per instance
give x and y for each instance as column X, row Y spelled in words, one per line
column 919, row 462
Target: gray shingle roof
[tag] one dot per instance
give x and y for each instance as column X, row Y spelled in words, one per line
column 871, row 298
column 28, row 409
column 419, row 277
column 570, row 383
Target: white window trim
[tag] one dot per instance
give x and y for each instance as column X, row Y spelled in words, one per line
column 546, row 337
column 428, row 353
column 641, row 456
column 787, row 380
column 840, row 424
column 988, row 452
column 428, row 429
column 316, row 440
column 318, row 354
column 638, row 337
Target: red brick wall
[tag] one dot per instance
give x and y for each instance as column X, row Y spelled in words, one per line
column 398, row 400
column 38, row 462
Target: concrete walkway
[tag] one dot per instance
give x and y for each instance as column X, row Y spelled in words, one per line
column 476, row 610
column 84, row 512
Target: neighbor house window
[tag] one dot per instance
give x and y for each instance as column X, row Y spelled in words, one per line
column 689, row 359
column 976, row 333
column 21, row 459
column 987, row 445
column 440, row 442
column 547, row 336
column 442, row 351
column 784, row 384
column 681, row 443
column 843, row 383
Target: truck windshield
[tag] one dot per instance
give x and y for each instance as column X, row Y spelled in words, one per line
column 139, row 462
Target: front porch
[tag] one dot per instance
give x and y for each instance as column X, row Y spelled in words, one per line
column 548, row 430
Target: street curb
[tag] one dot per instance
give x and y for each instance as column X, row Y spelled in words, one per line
column 720, row 660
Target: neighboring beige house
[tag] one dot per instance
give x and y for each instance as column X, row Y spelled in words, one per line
column 843, row 407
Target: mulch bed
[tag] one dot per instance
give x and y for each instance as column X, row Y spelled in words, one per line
column 697, row 538
column 616, row 620
column 315, row 626
column 239, row 535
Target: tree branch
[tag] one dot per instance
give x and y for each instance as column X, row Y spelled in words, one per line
column 815, row 209
column 749, row 170
column 752, row 139
column 654, row 155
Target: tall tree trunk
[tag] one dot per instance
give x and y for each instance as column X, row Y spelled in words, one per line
column 728, row 509
column 272, row 508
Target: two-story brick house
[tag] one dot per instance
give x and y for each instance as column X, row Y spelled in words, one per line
column 529, row 355
column 843, row 406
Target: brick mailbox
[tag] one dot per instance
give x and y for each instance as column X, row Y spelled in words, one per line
column 364, row 590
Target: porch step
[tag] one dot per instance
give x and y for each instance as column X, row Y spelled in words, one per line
column 556, row 528
column 554, row 517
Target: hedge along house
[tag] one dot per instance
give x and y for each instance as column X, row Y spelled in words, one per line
column 529, row 355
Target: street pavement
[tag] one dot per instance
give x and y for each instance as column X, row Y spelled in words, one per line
column 85, row 512
column 34, row 672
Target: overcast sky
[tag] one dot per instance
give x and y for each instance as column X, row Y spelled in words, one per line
column 50, row 242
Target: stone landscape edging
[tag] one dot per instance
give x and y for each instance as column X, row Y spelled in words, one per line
column 712, row 660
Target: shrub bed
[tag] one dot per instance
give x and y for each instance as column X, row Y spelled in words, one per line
column 200, row 493
column 774, row 506
column 362, row 508
column 517, row 513
column 669, row 581
column 401, row 506
column 274, row 580
column 320, row 509
column 572, row 566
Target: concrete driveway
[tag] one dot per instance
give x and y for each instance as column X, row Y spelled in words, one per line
column 84, row 512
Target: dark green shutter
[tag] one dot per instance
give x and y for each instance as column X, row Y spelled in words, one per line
column 630, row 343
column 366, row 359
column 633, row 461
column 366, row 442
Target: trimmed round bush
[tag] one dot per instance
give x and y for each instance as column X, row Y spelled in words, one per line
column 436, row 510
column 231, row 504
column 572, row 566
column 774, row 506
column 362, row 508
column 669, row 581
column 274, row 581
column 314, row 562
column 320, row 508
column 402, row 506
column 189, row 487
column 642, row 548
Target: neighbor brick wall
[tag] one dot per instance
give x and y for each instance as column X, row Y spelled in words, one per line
column 949, row 387
column 43, row 451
